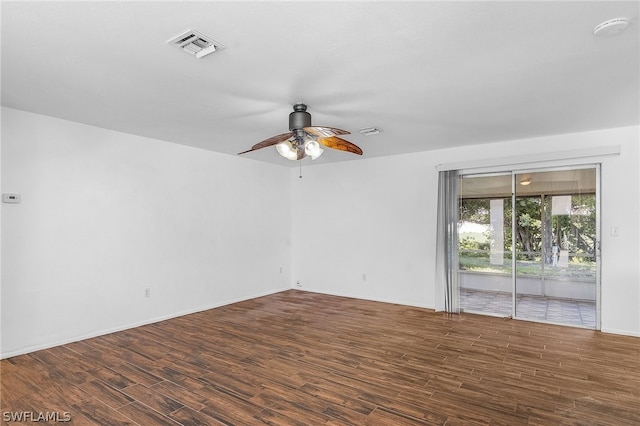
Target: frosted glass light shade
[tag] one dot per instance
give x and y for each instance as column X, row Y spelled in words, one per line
column 287, row 150
column 313, row 149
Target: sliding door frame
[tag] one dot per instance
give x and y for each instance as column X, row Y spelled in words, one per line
column 513, row 171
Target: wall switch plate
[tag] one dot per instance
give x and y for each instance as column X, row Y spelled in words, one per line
column 11, row 198
column 615, row 231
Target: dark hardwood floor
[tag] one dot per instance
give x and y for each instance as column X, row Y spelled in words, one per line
column 297, row 358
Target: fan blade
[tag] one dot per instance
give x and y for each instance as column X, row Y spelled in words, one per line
column 269, row 142
column 340, row 144
column 325, row 132
column 301, row 154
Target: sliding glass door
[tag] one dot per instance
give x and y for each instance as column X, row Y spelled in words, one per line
column 528, row 245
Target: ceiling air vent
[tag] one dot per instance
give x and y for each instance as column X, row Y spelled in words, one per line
column 370, row 131
column 195, row 43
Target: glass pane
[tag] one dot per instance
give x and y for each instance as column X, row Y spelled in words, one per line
column 555, row 237
column 484, row 252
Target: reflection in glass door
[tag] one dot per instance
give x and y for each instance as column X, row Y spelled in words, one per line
column 528, row 245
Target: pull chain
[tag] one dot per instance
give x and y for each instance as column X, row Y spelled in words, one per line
column 300, row 163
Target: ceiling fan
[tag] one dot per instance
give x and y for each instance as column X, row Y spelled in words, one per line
column 305, row 139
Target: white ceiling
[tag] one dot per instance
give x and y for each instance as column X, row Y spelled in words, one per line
column 431, row 75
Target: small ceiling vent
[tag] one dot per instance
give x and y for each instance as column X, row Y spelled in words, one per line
column 369, row 131
column 195, row 43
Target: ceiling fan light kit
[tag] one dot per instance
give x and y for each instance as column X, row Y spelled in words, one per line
column 287, row 150
column 306, row 140
column 312, row 148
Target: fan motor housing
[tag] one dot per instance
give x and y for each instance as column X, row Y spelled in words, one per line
column 299, row 118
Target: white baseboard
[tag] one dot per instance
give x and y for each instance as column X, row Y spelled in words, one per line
column 621, row 332
column 351, row 296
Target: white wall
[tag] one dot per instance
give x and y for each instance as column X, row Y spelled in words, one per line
column 105, row 215
column 377, row 217
column 371, row 217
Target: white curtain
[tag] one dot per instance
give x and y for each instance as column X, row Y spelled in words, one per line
column 447, row 292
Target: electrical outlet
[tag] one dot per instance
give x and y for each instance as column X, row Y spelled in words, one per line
column 147, row 292
column 11, row 198
column 298, row 284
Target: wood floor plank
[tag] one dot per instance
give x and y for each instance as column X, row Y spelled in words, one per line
column 280, row 402
column 298, row 358
column 460, row 409
column 339, row 414
column 336, row 397
column 406, row 410
column 64, row 393
column 236, row 382
column 382, row 416
column 189, row 417
column 187, row 397
column 144, row 415
column 152, row 398
column 106, row 394
column 135, row 374
column 275, row 418
column 112, row 378
column 99, row 413
column 230, row 409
